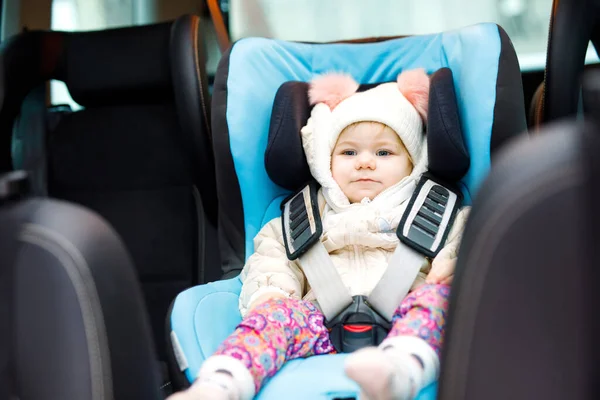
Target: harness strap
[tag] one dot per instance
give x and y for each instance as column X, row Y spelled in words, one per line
column 329, row 289
column 422, row 232
column 302, row 230
column 404, row 265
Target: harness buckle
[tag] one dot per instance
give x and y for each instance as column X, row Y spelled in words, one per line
column 357, row 326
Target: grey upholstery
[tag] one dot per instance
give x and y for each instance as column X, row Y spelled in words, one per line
column 139, row 151
column 523, row 314
column 77, row 327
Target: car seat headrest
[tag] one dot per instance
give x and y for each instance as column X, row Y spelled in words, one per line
column 117, row 66
column 447, row 152
column 285, row 160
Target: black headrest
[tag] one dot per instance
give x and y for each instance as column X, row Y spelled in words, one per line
column 118, row 65
column 113, row 67
column 446, row 149
column 285, row 161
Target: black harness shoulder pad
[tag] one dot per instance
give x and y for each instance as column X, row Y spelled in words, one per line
column 429, row 216
column 301, row 221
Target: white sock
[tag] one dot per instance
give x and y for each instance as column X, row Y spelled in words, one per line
column 393, row 371
column 215, row 386
column 419, row 348
column 220, row 378
column 377, row 376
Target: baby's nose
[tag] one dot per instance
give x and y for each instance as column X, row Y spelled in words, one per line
column 366, row 161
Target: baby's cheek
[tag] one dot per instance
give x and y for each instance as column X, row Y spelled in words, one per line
column 347, row 191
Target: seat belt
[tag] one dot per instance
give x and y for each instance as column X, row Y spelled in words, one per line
column 422, row 232
column 219, row 23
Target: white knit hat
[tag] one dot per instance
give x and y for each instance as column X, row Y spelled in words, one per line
column 401, row 105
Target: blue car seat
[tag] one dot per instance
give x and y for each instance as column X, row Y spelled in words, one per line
column 488, row 87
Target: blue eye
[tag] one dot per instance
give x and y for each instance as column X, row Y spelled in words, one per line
column 383, row 153
column 349, row 152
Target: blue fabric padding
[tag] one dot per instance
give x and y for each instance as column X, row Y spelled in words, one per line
column 274, row 209
column 319, row 378
column 257, row 67
column 203, row 316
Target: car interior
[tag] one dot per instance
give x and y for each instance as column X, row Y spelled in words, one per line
column 144, row 146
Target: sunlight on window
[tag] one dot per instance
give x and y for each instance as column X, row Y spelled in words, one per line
column 525, row 21
column 64, row 18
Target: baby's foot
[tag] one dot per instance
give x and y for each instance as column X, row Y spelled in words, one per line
column 396, row 370
column 378, row 376
column 221, row 377
column 216, row 386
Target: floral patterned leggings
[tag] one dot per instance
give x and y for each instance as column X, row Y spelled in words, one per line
column 280, row 330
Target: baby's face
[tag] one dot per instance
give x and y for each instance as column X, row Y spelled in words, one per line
column 367, row 159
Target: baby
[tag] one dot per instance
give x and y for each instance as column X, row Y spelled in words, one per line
column 367, row 150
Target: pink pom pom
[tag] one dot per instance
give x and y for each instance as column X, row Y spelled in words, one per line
column 331, row 89
column 414, row 85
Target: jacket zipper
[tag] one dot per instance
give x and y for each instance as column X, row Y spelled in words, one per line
column 359, row 271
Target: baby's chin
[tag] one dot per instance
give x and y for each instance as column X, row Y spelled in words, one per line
column 357, row 196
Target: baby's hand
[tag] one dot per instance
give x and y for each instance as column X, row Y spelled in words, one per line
column 443, row 266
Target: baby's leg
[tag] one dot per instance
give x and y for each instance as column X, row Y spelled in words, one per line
column 272, row 333
column 408, row 359
column 423, row 314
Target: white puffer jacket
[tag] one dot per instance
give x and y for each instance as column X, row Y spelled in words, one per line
column 359, row 238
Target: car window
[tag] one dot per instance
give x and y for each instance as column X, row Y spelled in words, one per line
column 525, row 21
